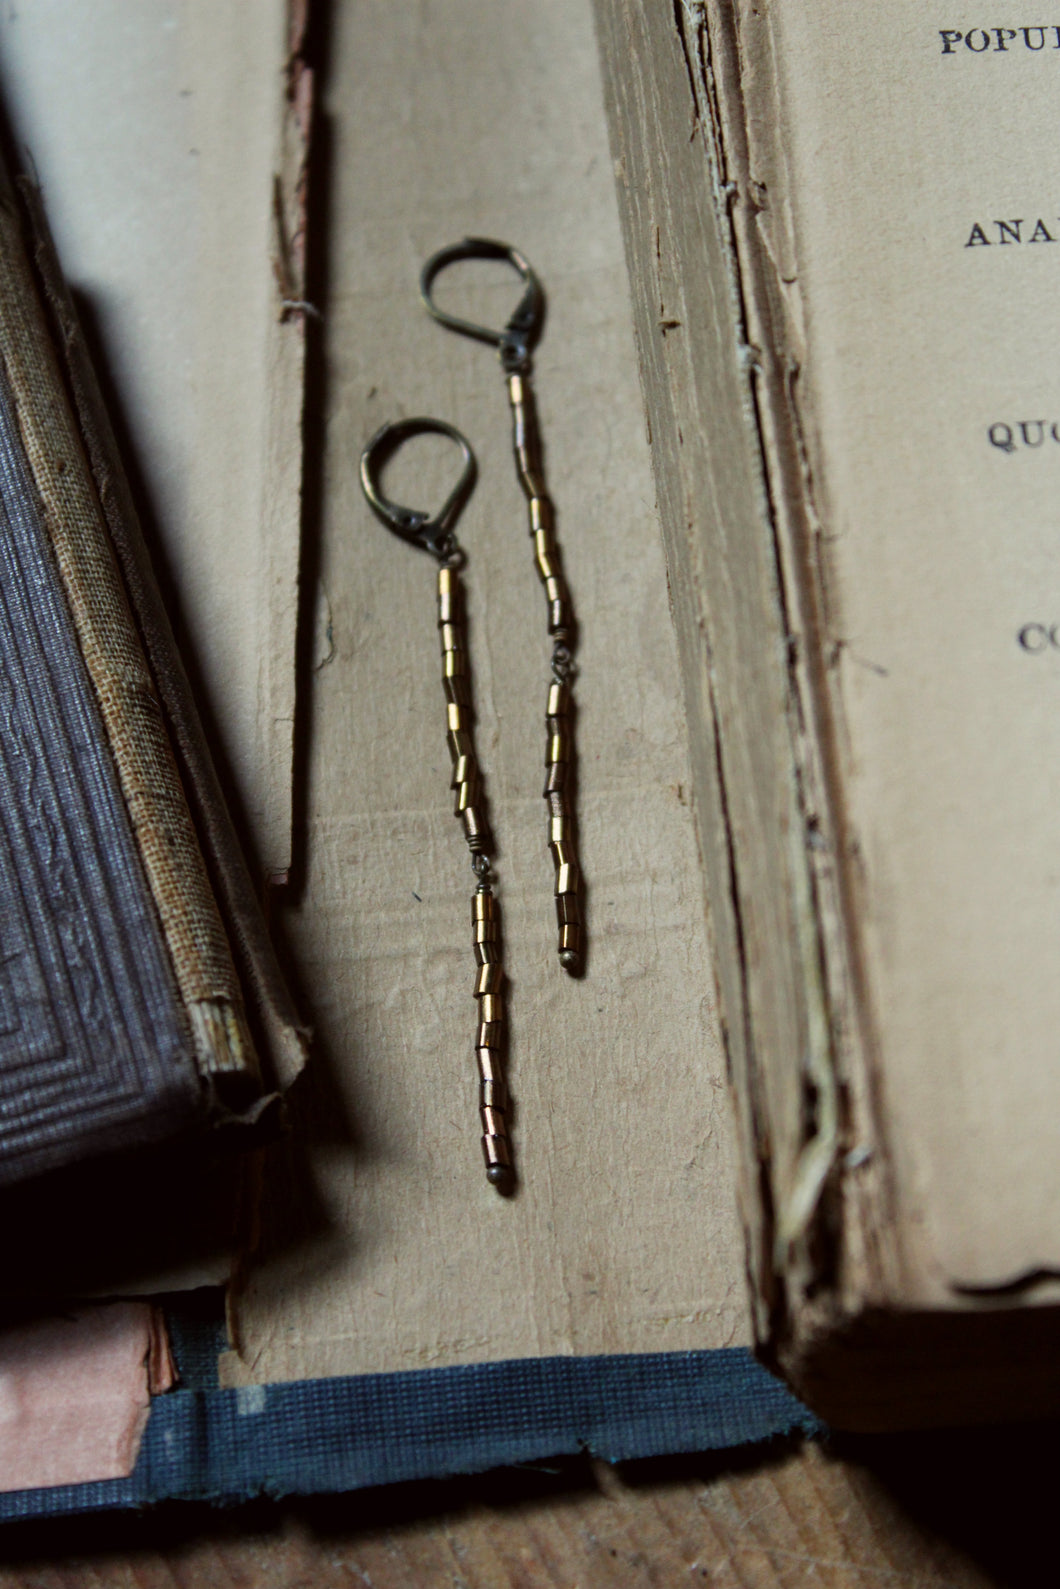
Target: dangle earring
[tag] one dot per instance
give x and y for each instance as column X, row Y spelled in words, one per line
column 514, row 345
column 437, row 536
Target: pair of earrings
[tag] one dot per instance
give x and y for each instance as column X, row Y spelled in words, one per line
column 436, row 534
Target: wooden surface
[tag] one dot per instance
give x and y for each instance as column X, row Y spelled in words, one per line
column 945, row 1512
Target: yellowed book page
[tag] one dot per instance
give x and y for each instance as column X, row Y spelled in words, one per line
column 155, row 131
column 923, row 179
column 485, row 117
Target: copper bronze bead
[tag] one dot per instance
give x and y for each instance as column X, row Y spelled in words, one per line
column 493, row 1094
column 475, row 830
column 557, row 777
column 489, row 979
column 493, row 1122
column 497, row 1149
column 490, row 1010
column 559, row 616
column 568, row 910
column 499, row 1170
column 490, row 1065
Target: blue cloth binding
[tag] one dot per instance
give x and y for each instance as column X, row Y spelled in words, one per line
column 329, row 1435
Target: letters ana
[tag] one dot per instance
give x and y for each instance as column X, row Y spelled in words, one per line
column 1012, row 232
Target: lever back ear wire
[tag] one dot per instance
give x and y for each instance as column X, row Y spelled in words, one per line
column 436, row 534
column 515, row 343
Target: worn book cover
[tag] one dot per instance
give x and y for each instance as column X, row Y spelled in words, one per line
column 125, row 1016
column 841, row 249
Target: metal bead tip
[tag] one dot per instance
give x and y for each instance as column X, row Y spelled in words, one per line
column 502, row 1176
column 571, row 961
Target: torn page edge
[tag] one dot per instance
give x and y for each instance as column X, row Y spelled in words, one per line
column 795, row 1205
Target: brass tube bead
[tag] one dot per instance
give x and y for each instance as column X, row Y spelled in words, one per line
column 465, row 796
column 541, row 515
column 559, row 615
column 450, row 596
column 489, row 1066
column 490, row 1009
column 498, row 1161
column 475, row 830
column 489, row 979
column 493, row 1122
column 493, row 1094
column 567, row 879
column 483, row 906
column 457, row 690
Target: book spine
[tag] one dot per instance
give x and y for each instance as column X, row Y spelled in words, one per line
column 122, row 681
column 731, row 485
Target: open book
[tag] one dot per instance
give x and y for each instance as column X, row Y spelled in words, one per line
column 396, row 1317
column 385, row 1264
column 843, row 235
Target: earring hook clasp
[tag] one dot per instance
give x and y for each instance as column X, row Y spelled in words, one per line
column 431, row 533
column 516, row 341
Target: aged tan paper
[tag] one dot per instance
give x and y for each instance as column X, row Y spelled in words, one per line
column 927, row 258
column 156, row 131
column 474, row 116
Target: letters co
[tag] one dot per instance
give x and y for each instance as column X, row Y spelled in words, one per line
column 1037, row 638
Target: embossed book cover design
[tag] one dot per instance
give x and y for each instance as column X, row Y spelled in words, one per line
column 122, row 1016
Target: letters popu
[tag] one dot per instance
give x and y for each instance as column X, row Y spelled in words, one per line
column 999, row 40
